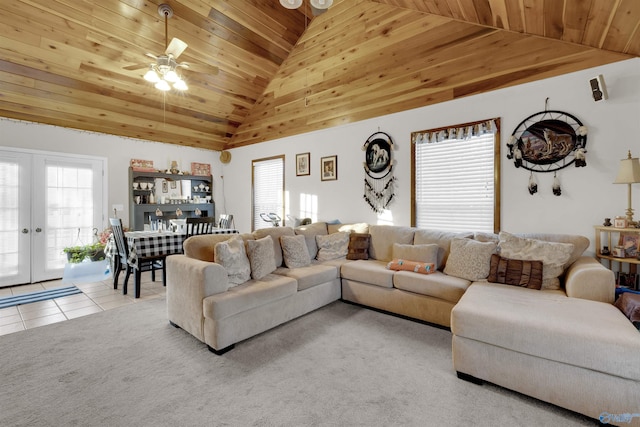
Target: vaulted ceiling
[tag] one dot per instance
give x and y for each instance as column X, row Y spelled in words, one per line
column 284, row 72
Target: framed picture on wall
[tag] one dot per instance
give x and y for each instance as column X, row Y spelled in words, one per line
column 329, row 168
column 302, row 164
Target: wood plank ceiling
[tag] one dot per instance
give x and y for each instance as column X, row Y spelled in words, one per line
column 284, row 72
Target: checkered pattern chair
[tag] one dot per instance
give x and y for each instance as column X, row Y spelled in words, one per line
column 144, row 263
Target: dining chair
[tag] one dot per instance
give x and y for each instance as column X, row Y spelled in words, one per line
column 225, row 221
column 202, row 225
column 144, row 263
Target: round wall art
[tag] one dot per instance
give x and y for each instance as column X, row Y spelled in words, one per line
column 378, row 166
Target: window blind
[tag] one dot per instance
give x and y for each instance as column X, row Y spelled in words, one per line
column 268, row 189
column 454, row 184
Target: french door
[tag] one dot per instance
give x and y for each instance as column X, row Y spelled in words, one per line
column 47, row 202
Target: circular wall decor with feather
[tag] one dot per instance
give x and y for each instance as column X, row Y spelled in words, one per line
column 378, row 167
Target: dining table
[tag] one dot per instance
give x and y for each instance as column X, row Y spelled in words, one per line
column 149, row 243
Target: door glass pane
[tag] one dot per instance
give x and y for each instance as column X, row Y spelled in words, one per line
column 70, row 210
column 9, row 226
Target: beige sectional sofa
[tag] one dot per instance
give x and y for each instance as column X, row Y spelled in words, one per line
column 499, row 332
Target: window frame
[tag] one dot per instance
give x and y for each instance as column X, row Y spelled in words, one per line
column 496, row 168
column 253, row 187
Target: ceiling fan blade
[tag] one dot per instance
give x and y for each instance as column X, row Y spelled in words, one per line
column 136, row 67
column 176, row 47
column 151, row 55
column 200, row 68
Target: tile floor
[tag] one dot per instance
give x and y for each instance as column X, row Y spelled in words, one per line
column 95, row 297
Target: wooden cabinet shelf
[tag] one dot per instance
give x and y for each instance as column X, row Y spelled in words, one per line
column 626, row 238
column 189, row 193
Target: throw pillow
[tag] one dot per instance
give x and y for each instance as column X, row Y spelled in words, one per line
column 261, row 257
column 416, row 267
column 527, row 274
column 469, row 259
column 358, row 246
column 332, row 246
column 553, row 255
column 310, row 232
column 294, row 251
column 275, row 233
column 421, row 253
column 231, row 255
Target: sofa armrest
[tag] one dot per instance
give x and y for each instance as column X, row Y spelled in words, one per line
column 588, row 279
column 189, row 282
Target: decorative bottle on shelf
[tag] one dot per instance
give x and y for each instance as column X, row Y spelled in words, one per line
column 152, row 198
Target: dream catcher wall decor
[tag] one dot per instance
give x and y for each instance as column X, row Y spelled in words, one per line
column 378, row 169
column 548, row 141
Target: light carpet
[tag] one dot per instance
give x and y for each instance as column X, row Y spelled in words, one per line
column 341, row 365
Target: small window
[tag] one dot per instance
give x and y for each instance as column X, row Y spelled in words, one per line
column 455, row 174
column 268, row 190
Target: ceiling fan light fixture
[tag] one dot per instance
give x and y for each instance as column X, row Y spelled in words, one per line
column 171, row 76
column 152, row 76
column 321, row 4
column 180, row 85
column 162, row 85
column 291, row 4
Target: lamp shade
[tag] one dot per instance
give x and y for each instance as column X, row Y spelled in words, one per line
column 629, row 172
column 321, row 4
column 291, row 4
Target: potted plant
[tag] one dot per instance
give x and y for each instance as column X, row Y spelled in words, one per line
column 75, row 254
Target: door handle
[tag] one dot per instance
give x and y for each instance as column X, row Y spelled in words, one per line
column 38, row 230
column 25, row 230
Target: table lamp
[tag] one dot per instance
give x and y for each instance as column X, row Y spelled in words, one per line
column 629, row 173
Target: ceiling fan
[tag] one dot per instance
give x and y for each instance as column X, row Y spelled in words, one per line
column 165, row 71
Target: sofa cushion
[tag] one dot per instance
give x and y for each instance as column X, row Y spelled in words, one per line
column 310, row 232
column 554, row 256
column 251, row 294
column 275, row 233
column 370, row 271
column 469, row 259
column 260, row 252
column 231, row 255
column 578, row 332
column 384, row 236
column 294, row 251
column 202, row 246
column 440, row 238
column 332, row 246
column 437, row 285
column 358, row 246
column 360, row 227
column 414, row 266
column 419, row 253
column 515, row 272
column 310, row 276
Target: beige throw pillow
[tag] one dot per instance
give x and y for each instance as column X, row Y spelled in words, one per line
column 332, row 246
column 469, row 259
column 231, row 255
column 554, row 256
column 294, row 251
column 261, row 257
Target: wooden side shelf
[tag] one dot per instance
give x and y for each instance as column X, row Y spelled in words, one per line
column 613, row 237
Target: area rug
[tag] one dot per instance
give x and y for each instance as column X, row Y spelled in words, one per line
column 341, row 365
column 38, row 296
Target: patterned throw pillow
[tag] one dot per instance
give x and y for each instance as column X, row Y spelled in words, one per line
column 295, row 251
column 261, row 257
column 553, row 255
column 469, row 259
column 358, row 246
column 416, row 267
column 332, row 246
column 231, row 255
column 527, row 274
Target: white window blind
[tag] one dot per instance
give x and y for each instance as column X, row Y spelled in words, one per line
column 454, row 183
column 268, row 189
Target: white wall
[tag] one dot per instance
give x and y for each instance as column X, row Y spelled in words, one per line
column 588, row 195
column 118, row 151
